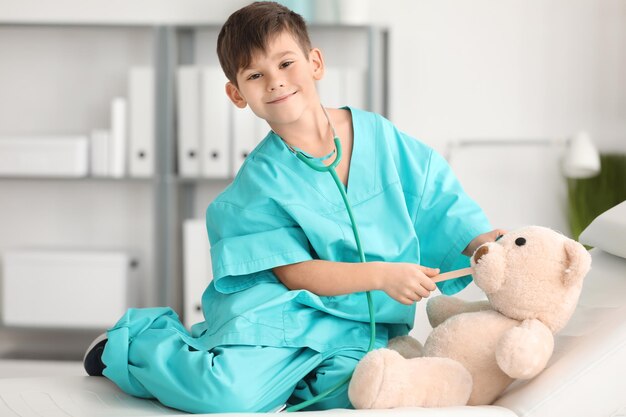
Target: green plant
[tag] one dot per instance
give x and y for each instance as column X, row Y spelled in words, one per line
column 587, row 198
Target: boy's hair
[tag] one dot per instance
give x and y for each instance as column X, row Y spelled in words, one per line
column 248, row 31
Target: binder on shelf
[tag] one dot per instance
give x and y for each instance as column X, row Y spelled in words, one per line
column 248, row 131
column 74, row 288
column 99, row 153
column 53, row 156
column 141, row 121
column 118, row 142
column 188, row 128
column 215, row 122
column 344, row 86
column 355, row 87
column 197, row 273
column 331, row 88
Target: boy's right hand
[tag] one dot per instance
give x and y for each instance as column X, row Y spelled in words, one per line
column 407, row 283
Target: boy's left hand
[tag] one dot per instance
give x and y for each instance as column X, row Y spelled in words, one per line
column 480, row 239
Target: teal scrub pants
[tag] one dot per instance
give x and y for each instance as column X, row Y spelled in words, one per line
column 150, row 354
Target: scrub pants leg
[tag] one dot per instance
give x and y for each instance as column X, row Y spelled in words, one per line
column 150, row 354
column 335, row 366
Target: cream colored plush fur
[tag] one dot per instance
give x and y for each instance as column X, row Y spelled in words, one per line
column 532, row 277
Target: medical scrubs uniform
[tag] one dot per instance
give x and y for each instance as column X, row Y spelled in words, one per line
column 263, row 345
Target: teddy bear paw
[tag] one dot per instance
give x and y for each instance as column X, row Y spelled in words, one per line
column 524, row 351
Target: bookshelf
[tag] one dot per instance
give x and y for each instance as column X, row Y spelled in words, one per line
column 59, row 78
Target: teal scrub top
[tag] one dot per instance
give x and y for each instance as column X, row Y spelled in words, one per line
column 408, row 206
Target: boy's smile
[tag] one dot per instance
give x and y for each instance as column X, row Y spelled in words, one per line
column 279, row 83
column 281, row 99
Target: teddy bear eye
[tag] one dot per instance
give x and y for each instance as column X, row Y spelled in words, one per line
column 520, row 241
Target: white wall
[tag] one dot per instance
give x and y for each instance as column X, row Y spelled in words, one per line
column 459, row 68
column 507, row 68
column 121, row 11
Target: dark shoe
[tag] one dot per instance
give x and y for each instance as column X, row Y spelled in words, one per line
column 93, row 357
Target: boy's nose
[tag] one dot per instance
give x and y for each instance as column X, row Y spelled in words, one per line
column 274, row 81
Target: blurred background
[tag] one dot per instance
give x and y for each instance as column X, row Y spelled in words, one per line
column 115, row 135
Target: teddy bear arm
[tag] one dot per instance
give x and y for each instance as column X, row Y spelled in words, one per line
column 523, row 351
column 442, row 307
column 406, row 346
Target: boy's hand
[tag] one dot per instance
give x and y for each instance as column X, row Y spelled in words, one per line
column 480, row 239
column 407, row 283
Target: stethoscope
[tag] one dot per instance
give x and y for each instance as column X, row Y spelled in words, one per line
column 313, row 163
column 320, row 167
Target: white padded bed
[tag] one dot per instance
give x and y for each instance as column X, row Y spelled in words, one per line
column 585, row 377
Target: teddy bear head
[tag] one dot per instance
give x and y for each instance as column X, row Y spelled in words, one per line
column 532, row 273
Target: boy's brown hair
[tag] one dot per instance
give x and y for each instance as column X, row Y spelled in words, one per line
column 248, row 31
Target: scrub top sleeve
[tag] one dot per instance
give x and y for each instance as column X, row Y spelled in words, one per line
column 246, row 244
column 446, row 222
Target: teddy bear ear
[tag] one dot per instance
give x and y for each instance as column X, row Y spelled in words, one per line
column 577, row 263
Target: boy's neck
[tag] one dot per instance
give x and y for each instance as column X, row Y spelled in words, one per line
column 311, row 132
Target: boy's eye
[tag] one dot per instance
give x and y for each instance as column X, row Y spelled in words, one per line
column 286, row 64
column 254, row 76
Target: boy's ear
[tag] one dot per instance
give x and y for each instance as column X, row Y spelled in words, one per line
column 317, row 61
column 235, row 96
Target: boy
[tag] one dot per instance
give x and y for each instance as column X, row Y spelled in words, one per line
column 286, row 317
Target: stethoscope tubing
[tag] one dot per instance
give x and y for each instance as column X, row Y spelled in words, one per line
column 320, row 167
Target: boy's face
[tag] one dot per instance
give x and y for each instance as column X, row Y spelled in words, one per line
column 279, row 84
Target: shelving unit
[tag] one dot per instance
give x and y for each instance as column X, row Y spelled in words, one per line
column 59, row 79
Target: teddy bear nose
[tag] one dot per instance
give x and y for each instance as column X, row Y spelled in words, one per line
column 483, row 250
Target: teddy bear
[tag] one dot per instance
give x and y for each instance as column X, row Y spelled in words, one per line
column 532, row 278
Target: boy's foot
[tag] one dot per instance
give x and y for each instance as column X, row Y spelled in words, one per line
column 92, row 361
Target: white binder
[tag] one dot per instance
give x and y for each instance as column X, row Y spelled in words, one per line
column 44, row 156
column 355, row 87
column 330, row 88
column 141, row 123
column 65, row 288
column 188, row 112
column 99, row 153
column 248, row 131
column 215, row 122
column 118, row 142
column 197, row 273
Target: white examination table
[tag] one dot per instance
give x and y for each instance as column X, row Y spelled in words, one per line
column 585, row 377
